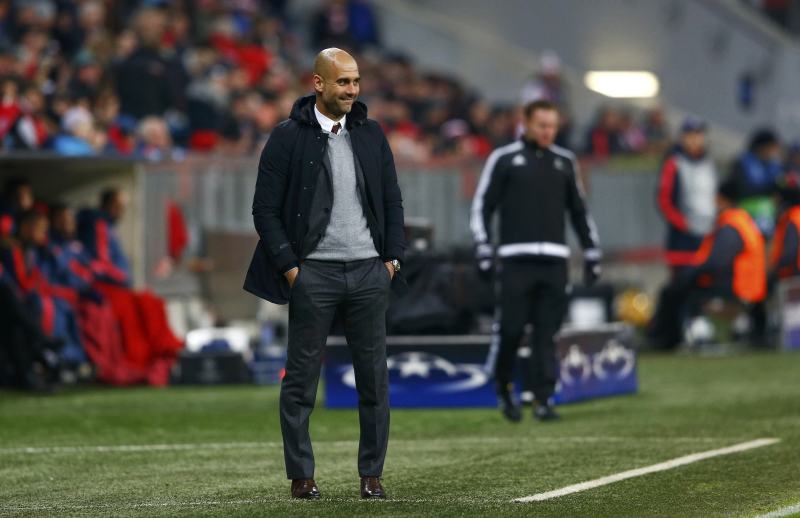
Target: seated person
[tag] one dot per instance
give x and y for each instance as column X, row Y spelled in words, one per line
column 33, row 271
column 28, row 358
column 149, row 343
column 730, row 264
column 785, row 259
column 96, row 230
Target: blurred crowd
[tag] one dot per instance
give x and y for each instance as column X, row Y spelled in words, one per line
column 155, row 79
column 67, row 308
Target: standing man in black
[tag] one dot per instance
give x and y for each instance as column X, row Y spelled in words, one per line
column 532, row 184
column 329, row 215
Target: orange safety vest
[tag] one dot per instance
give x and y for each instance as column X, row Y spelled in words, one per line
column 789, row 217
column 750, row 265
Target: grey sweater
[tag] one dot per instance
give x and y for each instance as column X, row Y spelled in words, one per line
column 347, row 237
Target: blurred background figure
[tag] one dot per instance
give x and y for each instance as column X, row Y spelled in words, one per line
column 686, row 191
column 550, row 85
column 754, row 178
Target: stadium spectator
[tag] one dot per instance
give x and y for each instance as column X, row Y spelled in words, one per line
column 197, row 66
column 154, row 142
column 549, row 84
column 603, row 138
column 656, row 131
column 687, row 187
column 30, row 130
column 146, row 80
column 634, row 140
column 754, row 177
column 363, row 23
column 331, row 26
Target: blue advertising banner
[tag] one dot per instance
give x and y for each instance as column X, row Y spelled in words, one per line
column 789, row 297
column 449, row 371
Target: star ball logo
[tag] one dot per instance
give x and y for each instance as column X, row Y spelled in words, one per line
column 613, row 361
column 434, row 373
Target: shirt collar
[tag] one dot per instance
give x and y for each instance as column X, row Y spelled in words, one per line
column 326, row 122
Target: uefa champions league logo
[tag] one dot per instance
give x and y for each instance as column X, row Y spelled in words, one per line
column 576, row 366
column 445, row 376
column 613, row 360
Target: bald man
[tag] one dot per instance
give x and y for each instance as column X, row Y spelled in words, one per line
column 329, row 215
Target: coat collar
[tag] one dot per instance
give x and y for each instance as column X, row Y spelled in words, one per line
column 303, row 112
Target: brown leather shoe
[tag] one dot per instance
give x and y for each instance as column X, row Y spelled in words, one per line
column 371, row 488
column 305, row 488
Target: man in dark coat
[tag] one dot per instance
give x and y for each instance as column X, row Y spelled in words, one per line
column 329, row 214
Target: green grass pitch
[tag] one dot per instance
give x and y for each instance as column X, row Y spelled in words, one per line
column 440, row 462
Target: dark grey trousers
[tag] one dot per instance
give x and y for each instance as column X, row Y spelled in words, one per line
column 360, row 291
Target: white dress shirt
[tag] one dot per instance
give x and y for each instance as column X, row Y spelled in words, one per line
column 326, row 122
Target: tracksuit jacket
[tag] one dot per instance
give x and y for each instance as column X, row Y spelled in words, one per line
column 532, row 187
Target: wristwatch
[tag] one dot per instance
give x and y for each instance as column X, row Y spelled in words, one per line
column 395, row 265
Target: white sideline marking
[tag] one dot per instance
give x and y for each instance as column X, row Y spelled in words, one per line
column 204, row 503
column 662, row 466
column 786, row 511
column 133, row 448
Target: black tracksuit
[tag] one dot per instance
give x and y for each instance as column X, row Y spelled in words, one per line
column 532, row 188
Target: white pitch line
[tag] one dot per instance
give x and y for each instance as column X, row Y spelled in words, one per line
column 779, row 513
column 134, row 448
column 662, row 466
column 204, row 503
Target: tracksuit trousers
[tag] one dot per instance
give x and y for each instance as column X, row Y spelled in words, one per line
column 532, row 290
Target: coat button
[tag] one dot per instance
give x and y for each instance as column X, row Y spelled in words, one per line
column 298, row 214
column 311, row 163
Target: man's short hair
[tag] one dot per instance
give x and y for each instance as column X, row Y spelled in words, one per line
column 108, row 195
column 534, row 106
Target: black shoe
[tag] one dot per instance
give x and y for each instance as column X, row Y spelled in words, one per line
column 372, row 489
column 508, row 406
column 305, row 489
column 545, row 413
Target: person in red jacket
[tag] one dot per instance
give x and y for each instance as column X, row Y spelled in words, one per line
column 149, row 343
column 686, row 190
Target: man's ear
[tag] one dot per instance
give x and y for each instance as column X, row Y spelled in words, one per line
column 319, row 83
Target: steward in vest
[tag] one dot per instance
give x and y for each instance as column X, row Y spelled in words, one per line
column 785, row 256
column 732, row 259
